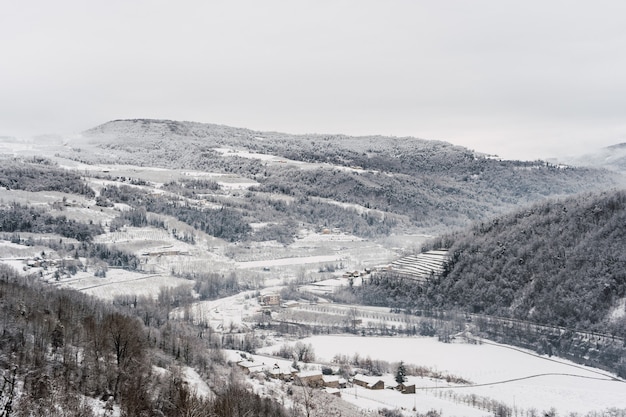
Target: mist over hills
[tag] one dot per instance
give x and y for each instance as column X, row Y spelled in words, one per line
column 611, row 157
column 407, row 182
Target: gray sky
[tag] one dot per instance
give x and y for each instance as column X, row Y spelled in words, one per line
column 522, row 79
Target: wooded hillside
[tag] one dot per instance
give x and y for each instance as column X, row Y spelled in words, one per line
column 561, row 263
column 63, row 353
column 40, row 175
column 419, row 183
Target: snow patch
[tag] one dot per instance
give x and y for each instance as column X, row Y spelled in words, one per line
column 196, row 383
column 619, row 311
column 289, row 261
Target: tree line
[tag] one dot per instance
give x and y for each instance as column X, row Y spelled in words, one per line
column 39, row 174
column 225, row 222
column 22, row 218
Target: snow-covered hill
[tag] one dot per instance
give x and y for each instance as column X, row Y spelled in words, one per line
column 612, row 157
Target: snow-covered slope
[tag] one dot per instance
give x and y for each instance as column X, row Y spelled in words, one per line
column 612, row 157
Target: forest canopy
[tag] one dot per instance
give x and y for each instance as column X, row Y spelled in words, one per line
column 559, row 263
column 40, row 175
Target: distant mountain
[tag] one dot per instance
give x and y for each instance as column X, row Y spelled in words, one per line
column 611, row 157
column 366, row 185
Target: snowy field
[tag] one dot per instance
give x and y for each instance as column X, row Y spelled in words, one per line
column 328, row 286
column 421, row 402
column 289, row 261
column 13, row 251
column 119, row 282
column 223, row 313
column 516, row 377
column 273, row 159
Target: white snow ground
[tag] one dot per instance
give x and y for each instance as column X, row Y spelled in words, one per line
column 513, row 376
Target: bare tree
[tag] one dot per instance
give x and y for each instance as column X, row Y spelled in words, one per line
column 126, row 337
column 304, row 352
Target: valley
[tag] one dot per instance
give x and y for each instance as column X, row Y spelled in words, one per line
column 196, row 227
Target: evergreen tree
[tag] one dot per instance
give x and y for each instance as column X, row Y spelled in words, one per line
column 401, row 373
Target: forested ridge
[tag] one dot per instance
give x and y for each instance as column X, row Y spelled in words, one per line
column 561, row 263
column 430, row 184
column 558, row 263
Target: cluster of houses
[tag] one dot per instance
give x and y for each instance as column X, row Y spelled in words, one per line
column 273, row 300
column 43, row 262
column 288, row 373
column 317, row 379
column 375, row 383
column 269, row 300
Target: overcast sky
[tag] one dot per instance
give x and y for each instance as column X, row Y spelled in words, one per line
column 522, row 79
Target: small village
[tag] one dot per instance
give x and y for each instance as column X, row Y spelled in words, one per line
column 324, row 378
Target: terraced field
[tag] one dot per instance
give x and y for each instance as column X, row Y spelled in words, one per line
column 423, row 266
